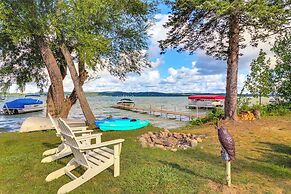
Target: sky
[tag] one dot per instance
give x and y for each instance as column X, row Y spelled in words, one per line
column 172, row 72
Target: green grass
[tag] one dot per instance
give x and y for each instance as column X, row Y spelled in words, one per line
column 263, row 168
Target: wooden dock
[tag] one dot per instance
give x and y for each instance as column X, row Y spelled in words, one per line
column 159, row 112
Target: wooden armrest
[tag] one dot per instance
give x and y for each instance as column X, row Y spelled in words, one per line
column 103, row 144
column 78, row 128
column 88, row 137
column 85, row 131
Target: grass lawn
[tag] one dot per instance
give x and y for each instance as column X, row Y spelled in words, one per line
column 263, row 162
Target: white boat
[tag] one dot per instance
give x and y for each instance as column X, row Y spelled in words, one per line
column 2, row 98
column 22, row 105
column 126, row 102
column 206, row 101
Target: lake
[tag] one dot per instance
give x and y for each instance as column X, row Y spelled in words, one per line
column 101, row 107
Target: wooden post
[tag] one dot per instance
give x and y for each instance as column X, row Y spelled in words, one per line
column 228, row 173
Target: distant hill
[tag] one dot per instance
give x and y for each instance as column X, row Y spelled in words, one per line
column 118, row 93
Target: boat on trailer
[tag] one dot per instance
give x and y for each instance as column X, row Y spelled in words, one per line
column 23, row 105
column 206, row 101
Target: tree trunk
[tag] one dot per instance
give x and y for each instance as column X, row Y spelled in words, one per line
column 78, row 88
column 56, row 90
column 232, row 68
column 72, row 99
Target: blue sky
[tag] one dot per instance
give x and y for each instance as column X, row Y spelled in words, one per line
column 170, row 72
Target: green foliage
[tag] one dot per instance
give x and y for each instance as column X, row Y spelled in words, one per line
column 214, row 115
column 258, row 82
column 276, row 109
column 282, row 71
column 103, row 34
column 196, row 24
column 279, row 109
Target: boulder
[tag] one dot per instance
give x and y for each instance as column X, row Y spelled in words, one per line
column 158, row 141
column 257, row 114
column 193, row 143
column 160, row 146
column 199, row 140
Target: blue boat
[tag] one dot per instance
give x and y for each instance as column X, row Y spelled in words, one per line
column 121, row 124
column 22, row 105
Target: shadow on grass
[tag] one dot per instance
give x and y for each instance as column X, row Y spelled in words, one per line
column 274, row 154
column 279, row 148
column 264, row 166
column 188, row 171
column 50, row 145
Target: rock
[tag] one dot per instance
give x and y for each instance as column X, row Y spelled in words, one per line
column 174, row 149
column 144, row 144
column 146, row 135
column 167, row 131
column 163, row 134
column 257, row 114
column 187, row 139
column 177, row 136
column 199, row 140
column 158, row 141
column 193, row 143
column 151, row 145
column 172, row 141
column 142, row 139
column 193, row 136
column 150, row 134
column 159, row 146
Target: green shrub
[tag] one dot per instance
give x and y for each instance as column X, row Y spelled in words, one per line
column 212, row 116
column 244, row 104
column 276, row 109
column 279, row 109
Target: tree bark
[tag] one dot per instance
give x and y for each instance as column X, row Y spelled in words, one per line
column 56, row 91
column 72, row 99
column 78, row 88
column 230, row 108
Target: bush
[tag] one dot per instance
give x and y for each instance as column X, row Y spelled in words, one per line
column 212, row 116
column 276, row 109
column 279, row 109
column 244, row 104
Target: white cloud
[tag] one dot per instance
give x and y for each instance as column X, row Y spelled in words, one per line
column 205, row 74
column 157, row 32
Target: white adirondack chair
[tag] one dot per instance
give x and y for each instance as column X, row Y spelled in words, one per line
column 63, row 150
column 94, row 157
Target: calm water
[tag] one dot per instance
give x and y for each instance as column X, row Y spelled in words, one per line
column 101, row 108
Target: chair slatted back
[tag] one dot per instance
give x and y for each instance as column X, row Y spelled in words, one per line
column 72, row 142
column 56, row 126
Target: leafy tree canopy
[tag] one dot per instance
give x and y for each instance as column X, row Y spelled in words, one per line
column 103, row 34
column 259, row 80
column 282, row 71
column 200, row 24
